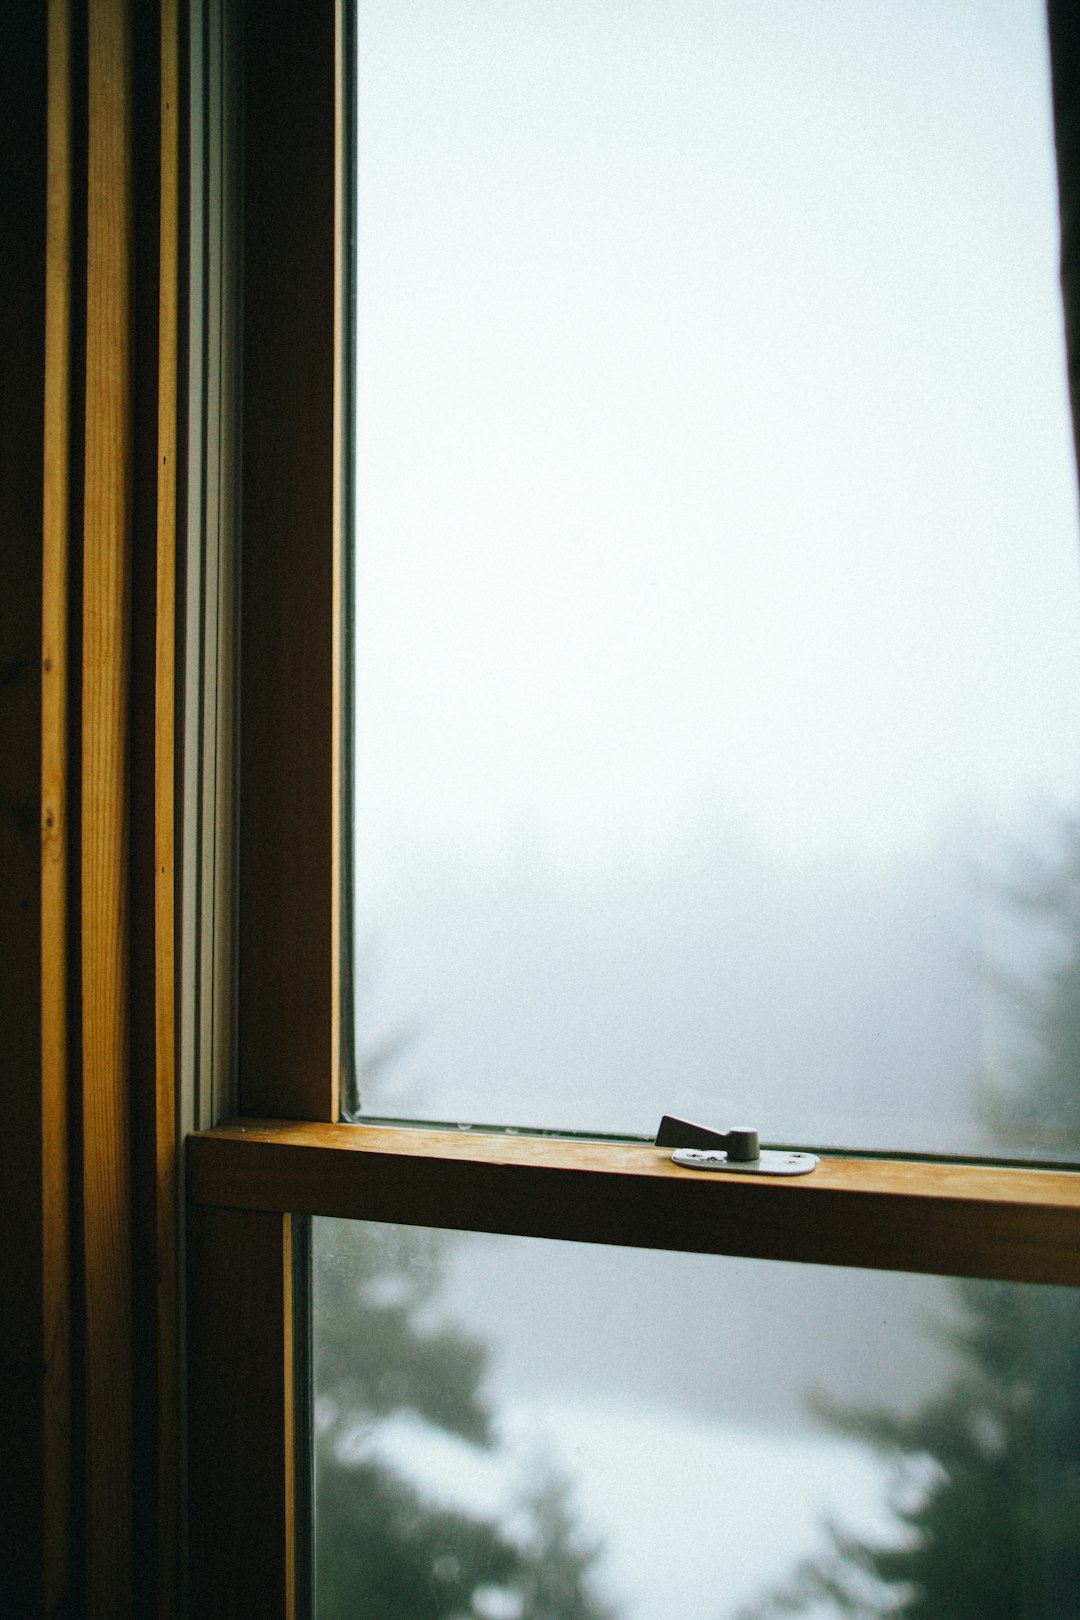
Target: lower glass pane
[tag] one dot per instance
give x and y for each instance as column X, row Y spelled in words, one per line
column 513, row 1429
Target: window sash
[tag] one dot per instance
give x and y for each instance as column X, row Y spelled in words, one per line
column 250, row 1182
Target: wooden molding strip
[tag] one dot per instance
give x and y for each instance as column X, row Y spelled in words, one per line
column 55, row 1259
column 341, row 875
column 106, row 660
column 165, row 1144
column 953, row 1220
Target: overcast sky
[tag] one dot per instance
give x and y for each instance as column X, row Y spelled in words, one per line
column 715, row 481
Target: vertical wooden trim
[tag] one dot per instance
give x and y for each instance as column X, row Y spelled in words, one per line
column 106, row 658
column 54, row 831
column 286, row 1058
column 164, row 817
column 240, row 1350
column 342, row 387
column 206, row 860
column 286, row 1396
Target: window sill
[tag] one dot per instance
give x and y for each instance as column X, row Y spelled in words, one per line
column 1015, row 1224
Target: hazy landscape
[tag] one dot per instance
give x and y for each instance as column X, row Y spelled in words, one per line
column 718, row 712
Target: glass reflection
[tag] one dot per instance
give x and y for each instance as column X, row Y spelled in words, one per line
column 520, row 1430
column 717, row 563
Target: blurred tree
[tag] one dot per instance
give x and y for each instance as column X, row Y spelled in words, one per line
column 986, row 1488
column 555, row 1585
column 383, row 1551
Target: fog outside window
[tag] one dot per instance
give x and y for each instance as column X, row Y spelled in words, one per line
column 718, row 673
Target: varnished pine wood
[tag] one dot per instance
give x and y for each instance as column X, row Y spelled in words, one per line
column 953, row 1220
column 242, row 1525
column 287, row 900
column 55, row 1256
column 165, row 742
column 341, row 805
column 105, row 1057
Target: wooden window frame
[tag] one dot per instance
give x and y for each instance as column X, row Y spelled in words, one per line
column 251, row 1180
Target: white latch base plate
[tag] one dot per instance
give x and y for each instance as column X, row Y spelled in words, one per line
column 771, row 1162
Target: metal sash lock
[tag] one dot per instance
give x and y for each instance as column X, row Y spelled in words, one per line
column 699, row 1148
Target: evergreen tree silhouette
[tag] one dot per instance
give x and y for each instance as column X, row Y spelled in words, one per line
column 383, row 1551
column 986, row 1486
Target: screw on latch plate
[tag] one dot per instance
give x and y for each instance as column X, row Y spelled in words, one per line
column 699, row 1148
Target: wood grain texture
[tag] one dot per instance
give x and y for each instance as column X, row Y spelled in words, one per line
column 105, row 1030
column 165, row 823
column 242, row 1525
column 286, row 887
column 165, row 742
column 56, row 1257
column 952, row 1220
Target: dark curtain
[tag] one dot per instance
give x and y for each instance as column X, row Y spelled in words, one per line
column 1064, row 22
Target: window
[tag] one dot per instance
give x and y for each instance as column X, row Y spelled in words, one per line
column 253, row 1181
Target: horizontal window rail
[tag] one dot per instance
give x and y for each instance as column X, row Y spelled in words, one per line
column 1014, row 1224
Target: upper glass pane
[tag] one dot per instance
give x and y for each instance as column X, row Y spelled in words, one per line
column 718, row 683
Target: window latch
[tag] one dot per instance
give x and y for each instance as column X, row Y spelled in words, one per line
column 699, row 1148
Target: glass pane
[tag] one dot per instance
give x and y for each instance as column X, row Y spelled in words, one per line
column 718, row 676
column 520, row 1430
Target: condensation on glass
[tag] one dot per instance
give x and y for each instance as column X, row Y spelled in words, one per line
column 513, row 1429
column 719, row 673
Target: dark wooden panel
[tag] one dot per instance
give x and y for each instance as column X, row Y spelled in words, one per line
column 107, row 1265
column 22, row 341
column 23, row 1587
column 32, row 1509
column 154, row 313
column 953, row 1220
column 56, row 851
column 240, row 1415
column 287, row 562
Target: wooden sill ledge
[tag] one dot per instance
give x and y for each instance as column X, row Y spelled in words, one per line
column 1014, row 1224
